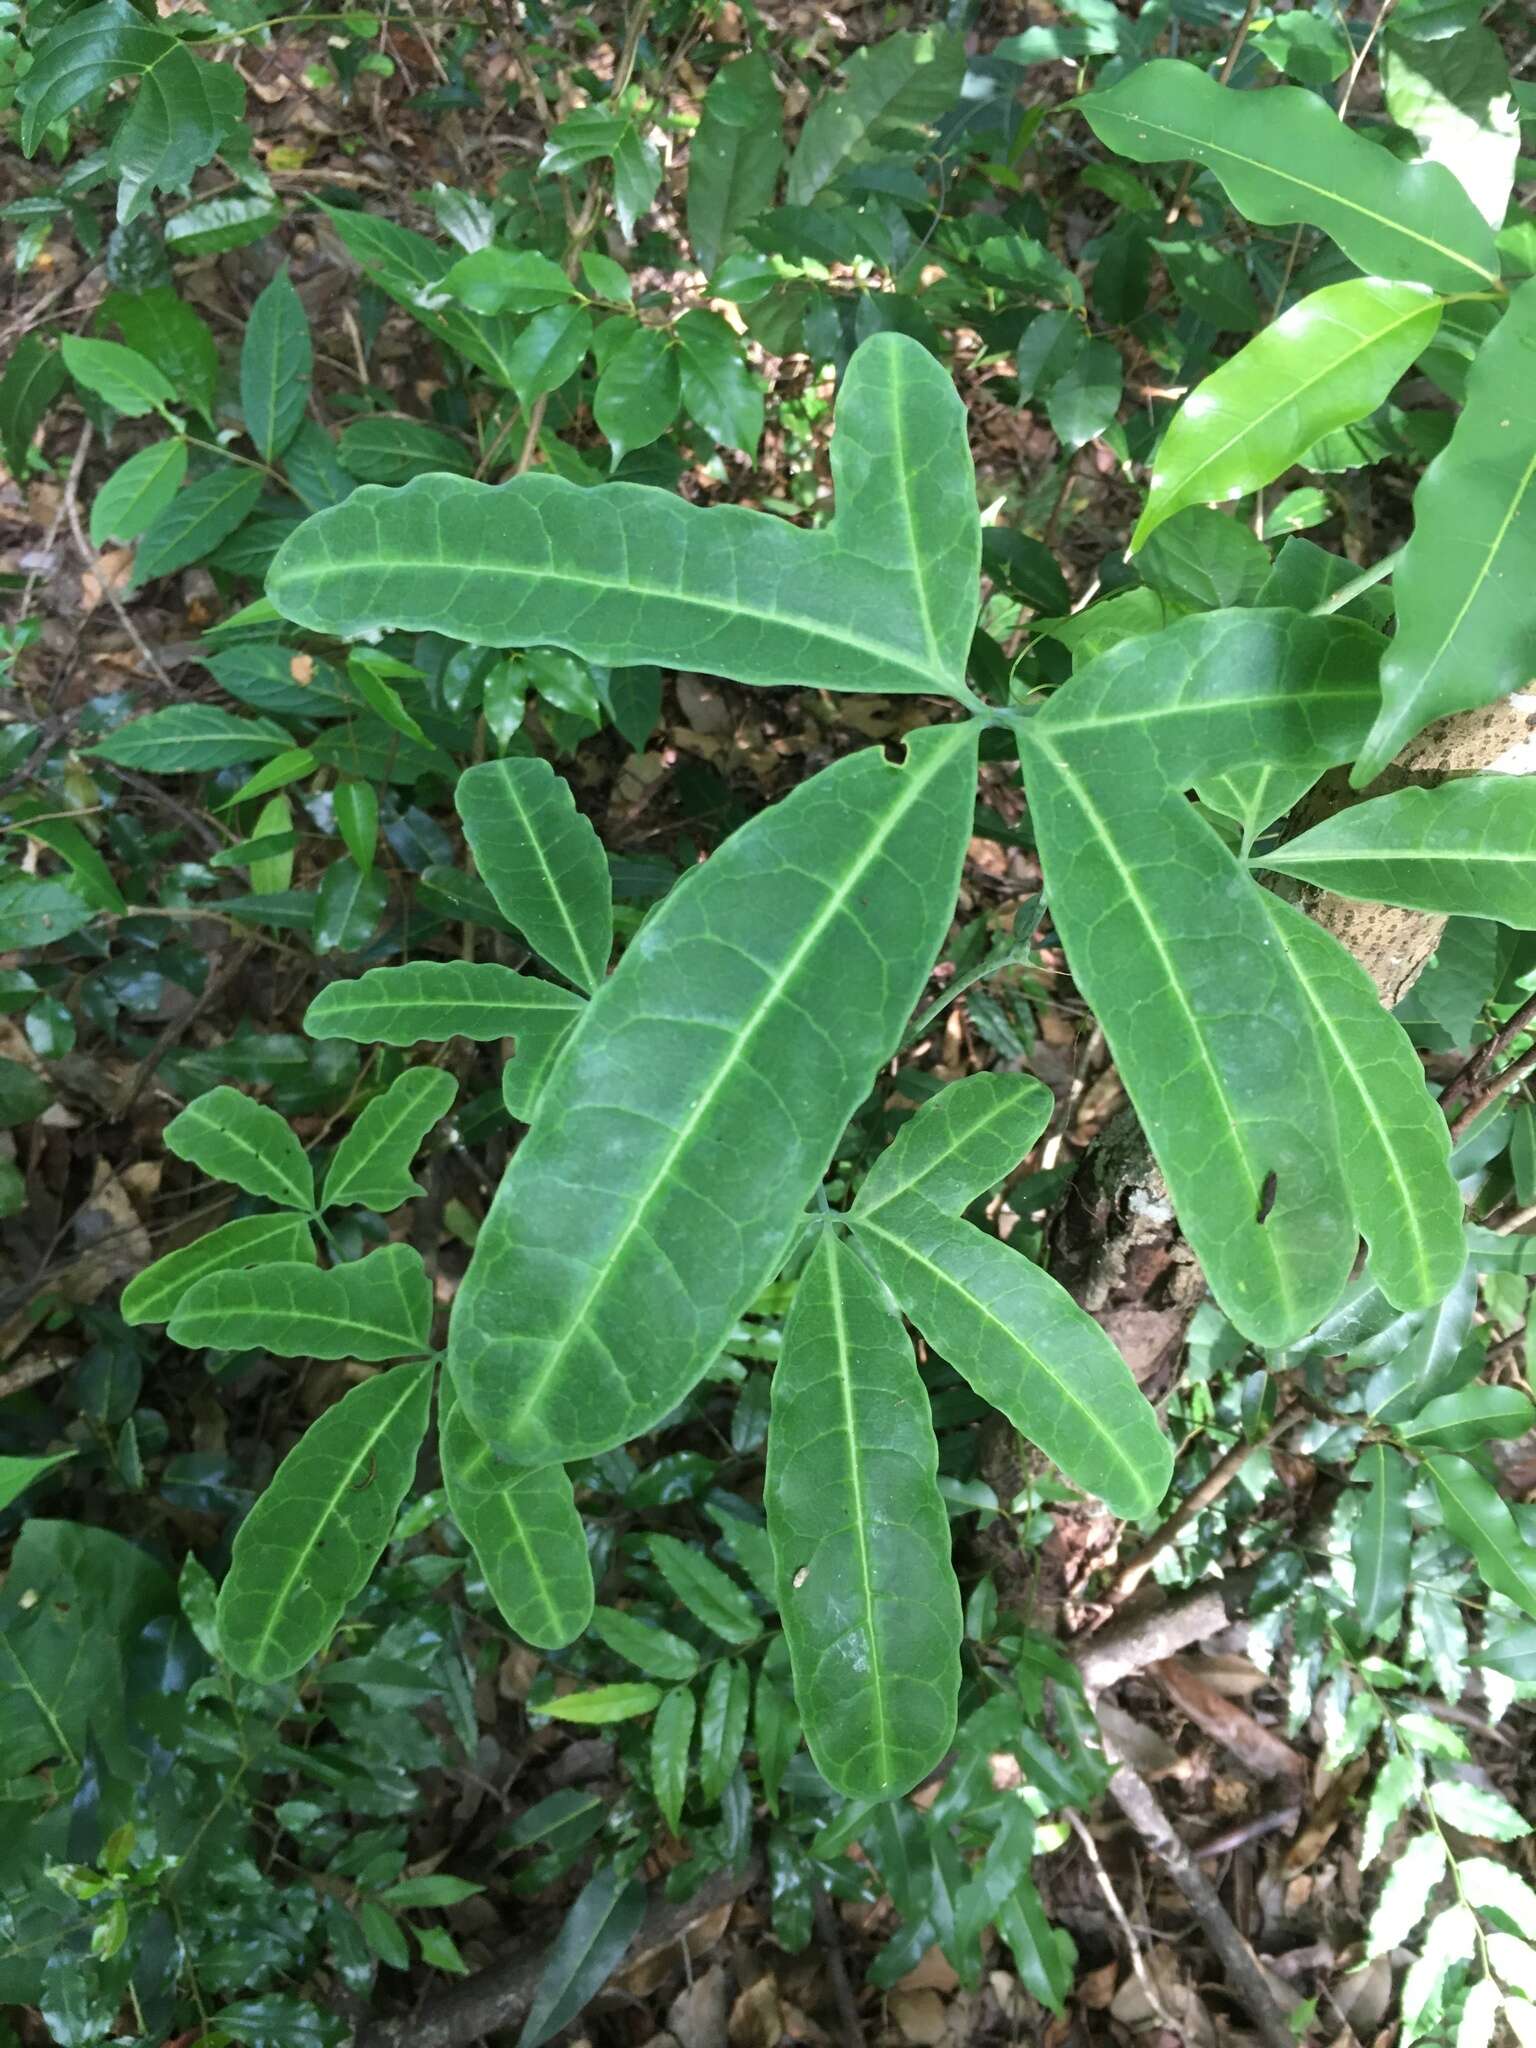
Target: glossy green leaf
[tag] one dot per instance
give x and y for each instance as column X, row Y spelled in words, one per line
column 723, row 1725
column 374, row 1308
column 129, row 382
column 186, row 739
column 602, row 1704
column 1380, row 1541
column 152, row 1296
column 1205, row 560
column 1393, row 1142
column 894, row 87
column 550, row 349
column 1463, row 615
column 710, row 1595
column 193, row 524
column 1084, row 399
column 542, row 861
column 138, row 491
column 17, row 1474
column 356, row 806
column 523, row 1527
column 884, row 598
column 494, row 280
column 276, row 365
column 391, row 451
column 372, row 1161
column 230, row 1137
column 639, row 391
column 671, row 1740
column 1477, row 1516
column 860, row 1533
column 1282, row 156
column 719, row 389
column 1329, row 360
column 214, row 226
column 587, row 1951
column 603, row 1283
column 1469, row 1417
column 348, row 906
column 1452, row 94
column 656, row 1651
column 1467, row 847
column 34, row 376
column 310, row 1544
column 963, row 1141
column 1022, row 1342
column 735, row 155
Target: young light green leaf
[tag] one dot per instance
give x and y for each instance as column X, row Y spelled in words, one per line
column 962, row 1141
column 187, row 739
column 1282, row 156
column 1463, row 623
column 1396, row 1784
column 152, row 1296
column 1394, row 1146
column 671, row 1739
column 138, row 492
column 372, row 1161
column 591, row 1943
column 710, row 1595
column 1467, row 848
column 602, row 1285
column 1494, row 1887
column 601, row 1704
column 276, row 364
column 1469, row 1417
column 1329, row 360
column 735, row 155
column 310, row 1544
column 374, row 1308
column 723, row 1725
column 1452, row 94
column 17, row 1474
column 523, row 1527
column 1406, row 1894
column 232, row 1138
column 1022, row 1342
column 1380, row 1541
column 1477, row 1810
column 1480, row 2013
column 895, row 86
column 884, row 598
column 1478, row 1517
column 130, row 383
column 859, row 1529
column 542, row 861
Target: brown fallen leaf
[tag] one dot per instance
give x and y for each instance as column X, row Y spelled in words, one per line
column 1258, row 1747
column 756, row 2020
column 919, row 2016
column 1321, row 1823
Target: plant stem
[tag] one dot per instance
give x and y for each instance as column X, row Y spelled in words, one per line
column 1366, row 580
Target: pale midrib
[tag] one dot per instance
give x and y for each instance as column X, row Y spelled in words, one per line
column 914, row 1181
column 1392, row 854
column 592, row 971
column 522, row 1540
column 1253, row 163
column 860, row 1533
column 301, row 1556
column 766, row 1008
column 1227, row 1128
column 899, row 450
column 368, row 1159
column 815, row 629
column 1091, row 1420
column 1482, row 575
column 1512, row 1561
column 240, row 1143
column 1061, row 728
column 1379, row 1499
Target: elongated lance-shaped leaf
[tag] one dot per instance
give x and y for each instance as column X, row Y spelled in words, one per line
column 1477, row 1516
column 735, row 154
column 1283, row 156
column 276, row 362
column 1328, row 361
column 542, row 861
column 860, row 1535
column 1393, row 1142
column 1380, row 1542
column 311, row 1542
column 152, row 1296
column 1024, row 1344
column 433, row 1000
column 521, row 1523
column 372, row 1161
column 374, row 1308
column 882, row 599
column 1467, row 848
column 233, row 1138
column 690, row 1117
column 961, row 1142
column 1465, row 633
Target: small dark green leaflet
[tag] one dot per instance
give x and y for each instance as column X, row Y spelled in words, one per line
column 1380, row 1541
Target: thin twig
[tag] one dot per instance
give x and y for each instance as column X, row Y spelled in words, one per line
column 90, row 561
column 180, row 1025
column 1149, row 1990
column 1475, row 1073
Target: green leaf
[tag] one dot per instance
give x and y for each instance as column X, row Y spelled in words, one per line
column 671, row 1738
column 493, row 280
column 34, row 377
column 525, row 1532
column 374, row 1308
column 232, row 1138
column 348, row 906
column 542, row 861
column 173, row 335
column 723, row 1725
column 1490, row 1886
column 276, row 365
column 710, row 1595
column 1021, row 1341
column 587, row 1951
column 1048, row 348
column 153, row 1295
column 639, row 391
column 1405, row 1896
column 1477, row 1517
column 215, row 226
column 719, row 390
column 17, row 1474
column 894, row 87
column 435, row 1889
column 963, row 1141
column 129, row 382
column 372, row 1161
column 1463, row 623
column 1394, row 1146
column 35, row 912
column 860, row 1533
column 1467, row 847
column 1283, row 156
column 185, row 739
column 390, row 451
column 356, row 806
column 194, row 523
column 1476, row 1810
column 1331, row 359
column 882, row 599
column 1397, row 1783
column 602, row 1285
column 310, row 1544
column 1380, row 1541
column 601, row 1704
column 1085, row 398
column 138, row 491
column 734, row 157
column 650, row 1649
column 1469, row 1417
column 1205, row 560
column 1452, row 94
column 550, row 349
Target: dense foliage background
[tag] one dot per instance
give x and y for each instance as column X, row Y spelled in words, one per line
column 259, row 258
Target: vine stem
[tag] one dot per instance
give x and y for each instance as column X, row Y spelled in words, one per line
column 1366, row 580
